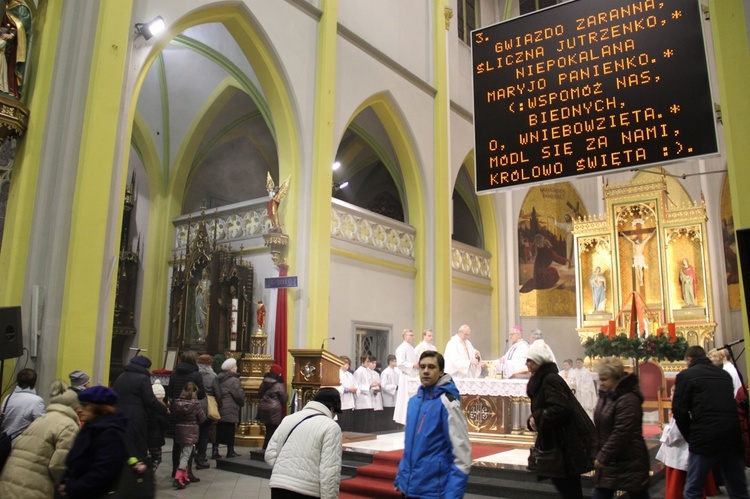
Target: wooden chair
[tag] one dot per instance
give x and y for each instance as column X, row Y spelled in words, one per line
column 654, row 388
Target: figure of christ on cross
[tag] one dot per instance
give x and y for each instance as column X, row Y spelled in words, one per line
column 639, row 245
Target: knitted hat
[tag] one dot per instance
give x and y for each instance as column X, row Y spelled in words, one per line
column 276, row 369
column 158, row 390
column 330, row 398
column 228, row 364
column 539, row 353
column 142, row 361
column 78, row 378
column 205, row 359
column 98, row 395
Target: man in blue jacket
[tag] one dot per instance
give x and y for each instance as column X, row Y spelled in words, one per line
column 437, row 451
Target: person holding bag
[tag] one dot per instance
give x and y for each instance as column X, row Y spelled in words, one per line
column 210, row 406
column 563, row 428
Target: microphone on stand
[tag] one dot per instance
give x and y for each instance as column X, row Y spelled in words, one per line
column 322, row 345
column 733, row 343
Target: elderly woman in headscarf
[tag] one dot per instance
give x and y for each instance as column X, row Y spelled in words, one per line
column 560, row 422
column 38, row 458
column 622, row 461
column 99, row 451
column 232, row 398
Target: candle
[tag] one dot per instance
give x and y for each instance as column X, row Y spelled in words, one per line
column 672, row 332
column 660, row 331
column 612, row 330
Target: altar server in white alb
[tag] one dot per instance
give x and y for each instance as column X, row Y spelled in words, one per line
column 585, row 389
column 408, row 364
column 462, row 360
column 514, row 360
column 388, row 387
column 426, row 344
column 368, row 399
column 348, row 390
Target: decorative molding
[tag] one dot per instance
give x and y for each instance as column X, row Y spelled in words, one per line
column 448, row 16
column 470, row 260
column 354, row 224
column 232, row 223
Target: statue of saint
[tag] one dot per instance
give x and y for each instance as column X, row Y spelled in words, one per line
column 598, row 289
column 16, row 21
column 639, row 260
column 275, row 195
column 202, row 290
column 260, row 314
column 688, row 282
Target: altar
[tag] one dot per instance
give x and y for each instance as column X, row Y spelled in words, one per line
column 495, row 409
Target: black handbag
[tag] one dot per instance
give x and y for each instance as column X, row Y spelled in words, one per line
column 6, row 443
column 550, row 463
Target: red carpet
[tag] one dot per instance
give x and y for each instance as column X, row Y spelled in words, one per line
column 376, row 480
column 651, row 430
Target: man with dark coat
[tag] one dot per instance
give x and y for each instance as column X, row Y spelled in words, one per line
column 706, row 414
column 136, row 400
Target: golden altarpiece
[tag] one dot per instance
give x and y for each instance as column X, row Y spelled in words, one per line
column 645, row 243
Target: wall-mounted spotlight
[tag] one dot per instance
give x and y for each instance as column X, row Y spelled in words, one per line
column 336, row 165
column 337, row 186
column 151, row 28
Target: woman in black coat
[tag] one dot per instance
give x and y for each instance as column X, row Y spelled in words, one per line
column 273, row 399
column 186, row 370
column 136, row 401
column 560, row 421
column 622, row 461
column 232, row 399
column 99, row 450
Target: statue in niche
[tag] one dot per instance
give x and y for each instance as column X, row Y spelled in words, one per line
column 639, row 259
column 14, row 35
column 202, row 290
column 275, row 195
column 598, row 289
column 688, row 283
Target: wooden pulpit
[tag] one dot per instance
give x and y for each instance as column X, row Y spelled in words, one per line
column 314, row 369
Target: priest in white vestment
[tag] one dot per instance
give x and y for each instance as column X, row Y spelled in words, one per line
column 585, row 388
column 462, row 360
column 514, row 360
column 408, row 366
column 426, row 344
column 536, row 337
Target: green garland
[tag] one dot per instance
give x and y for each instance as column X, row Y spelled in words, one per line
column 651, row 347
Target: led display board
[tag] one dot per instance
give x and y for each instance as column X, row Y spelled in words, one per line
column 590, row 87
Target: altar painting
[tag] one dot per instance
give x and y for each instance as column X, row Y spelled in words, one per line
column 546, row 253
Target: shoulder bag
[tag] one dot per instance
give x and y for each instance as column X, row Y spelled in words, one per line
column 212, row 406
column 6, row 442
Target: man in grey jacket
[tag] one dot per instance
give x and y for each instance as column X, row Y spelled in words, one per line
column 305, row 451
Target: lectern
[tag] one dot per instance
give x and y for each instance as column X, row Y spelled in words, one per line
column 313, row 369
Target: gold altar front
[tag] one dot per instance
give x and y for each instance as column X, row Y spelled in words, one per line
column 496, row 410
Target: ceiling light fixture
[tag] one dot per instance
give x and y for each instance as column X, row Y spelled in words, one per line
column 336, row 165
column 151, row 28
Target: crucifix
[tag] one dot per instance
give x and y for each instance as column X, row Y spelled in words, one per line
column 637, row 239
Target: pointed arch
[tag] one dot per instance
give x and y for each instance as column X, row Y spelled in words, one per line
column 274, row 84
column 403, row 144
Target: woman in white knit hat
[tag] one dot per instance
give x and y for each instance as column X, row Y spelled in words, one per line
column 560, row 422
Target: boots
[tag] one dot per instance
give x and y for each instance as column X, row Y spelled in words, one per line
column 179, row 480
column 201, row 462
column 230, row 451
column 215, row 452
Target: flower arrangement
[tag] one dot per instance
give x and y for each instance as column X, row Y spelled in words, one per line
column 650, row 347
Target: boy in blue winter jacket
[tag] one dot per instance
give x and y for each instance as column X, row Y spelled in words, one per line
column 437, row 451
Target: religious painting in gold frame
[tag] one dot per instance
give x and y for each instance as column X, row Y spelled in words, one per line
column 546, row 253
column 596, row 286
column 686, row 279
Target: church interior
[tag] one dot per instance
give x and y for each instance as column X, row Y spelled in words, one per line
column 263, row 177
